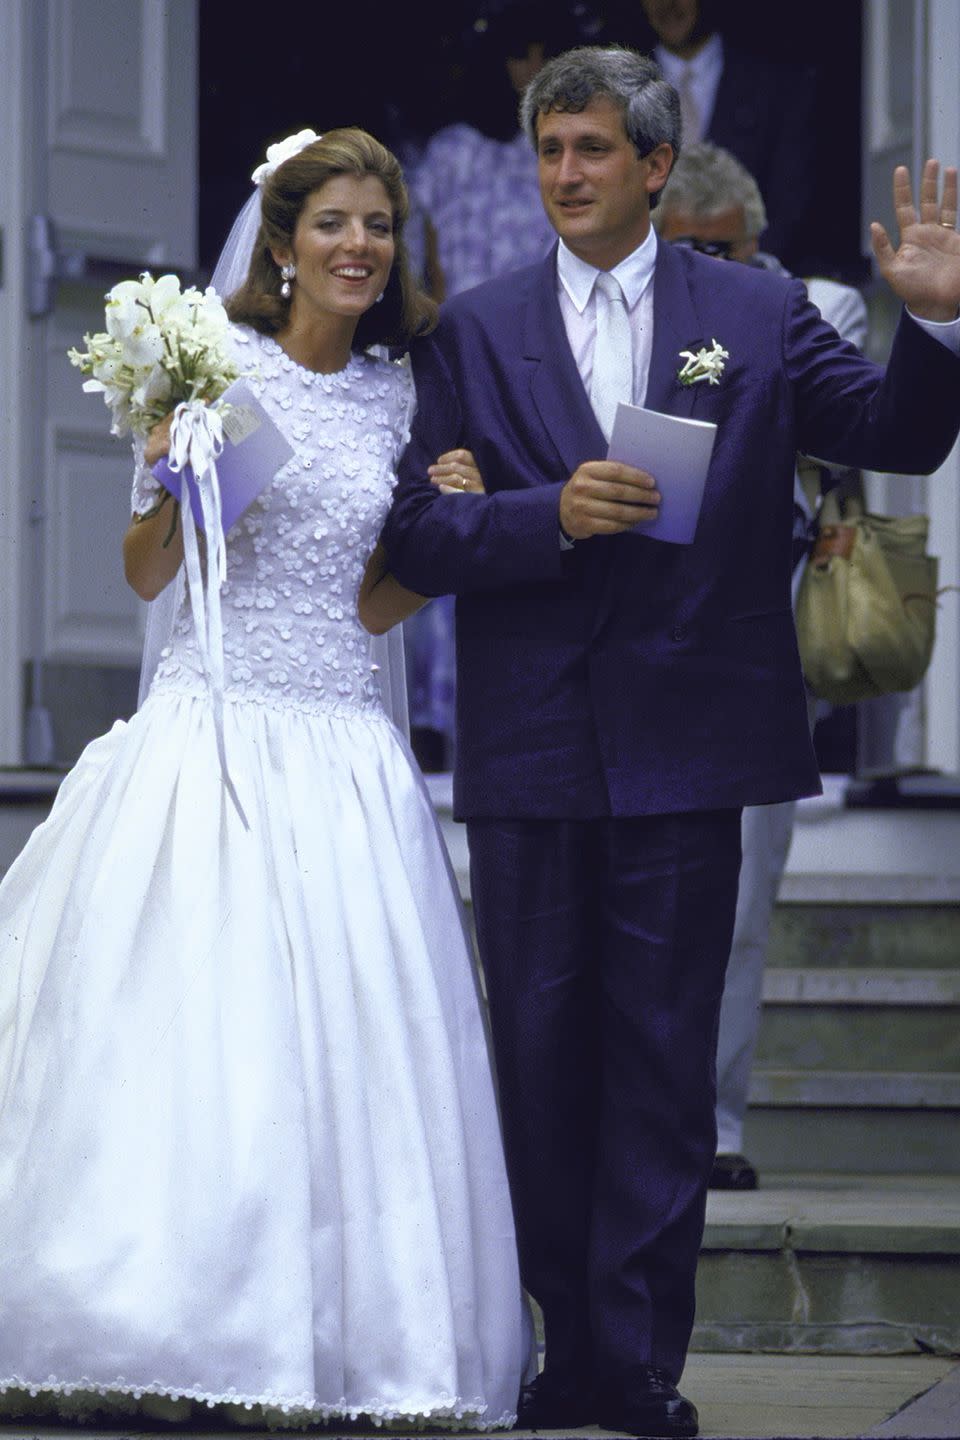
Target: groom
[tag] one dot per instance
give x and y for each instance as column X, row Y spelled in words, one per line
column 621, row 698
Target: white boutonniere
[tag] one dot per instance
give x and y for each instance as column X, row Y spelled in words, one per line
column 703, row 364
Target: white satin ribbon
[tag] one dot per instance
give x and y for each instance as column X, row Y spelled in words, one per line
column 196, row 440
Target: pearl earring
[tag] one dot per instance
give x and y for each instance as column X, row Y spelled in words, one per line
column 379, row 298
column 288, row 272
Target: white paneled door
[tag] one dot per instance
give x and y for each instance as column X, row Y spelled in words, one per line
column 98, row 99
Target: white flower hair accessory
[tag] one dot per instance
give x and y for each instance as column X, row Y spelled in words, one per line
column 283, row 150
column 703, row 364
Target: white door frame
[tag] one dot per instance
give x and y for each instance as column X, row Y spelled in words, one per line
column 910, row 113
column 110, row 158
column 14, row 538
column 941, row 138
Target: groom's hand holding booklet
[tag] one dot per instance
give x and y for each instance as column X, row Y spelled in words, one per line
column 253, row 451
column 676, row 452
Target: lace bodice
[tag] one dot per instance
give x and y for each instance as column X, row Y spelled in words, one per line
column 295, row 559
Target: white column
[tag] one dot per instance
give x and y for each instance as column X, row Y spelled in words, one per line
column 942, row 136
column 14, row 77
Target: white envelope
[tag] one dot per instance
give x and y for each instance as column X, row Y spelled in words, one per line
column 676, row 452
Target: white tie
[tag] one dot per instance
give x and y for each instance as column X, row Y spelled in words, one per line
column 612, row 378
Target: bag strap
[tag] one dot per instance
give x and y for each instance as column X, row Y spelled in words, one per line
column 828, row 510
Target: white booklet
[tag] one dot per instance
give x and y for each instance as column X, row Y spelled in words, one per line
column 253, row 451
column 676, row 452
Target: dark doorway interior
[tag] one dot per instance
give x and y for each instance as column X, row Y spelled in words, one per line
column 403, row 71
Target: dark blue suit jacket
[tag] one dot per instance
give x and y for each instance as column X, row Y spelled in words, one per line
column 765, row 115
column 630, row 676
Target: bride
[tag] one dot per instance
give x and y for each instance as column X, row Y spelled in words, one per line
column 249, row 1149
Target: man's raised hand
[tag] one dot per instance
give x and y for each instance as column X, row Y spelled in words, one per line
column 924, row 270
column 605, row 497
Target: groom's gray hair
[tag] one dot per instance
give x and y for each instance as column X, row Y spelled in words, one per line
column 650, row 106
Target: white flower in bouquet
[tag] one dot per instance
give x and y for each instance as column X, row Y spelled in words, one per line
column 108, row 366
column 162, row 346
column 155, row 390
column 209, row 323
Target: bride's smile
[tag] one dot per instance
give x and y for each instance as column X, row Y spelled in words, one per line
column 343, row 249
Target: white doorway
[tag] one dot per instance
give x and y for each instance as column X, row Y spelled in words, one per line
column 98, row 101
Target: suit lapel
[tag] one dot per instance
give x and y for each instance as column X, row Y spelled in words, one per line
column 675, row 328
column 556, row 388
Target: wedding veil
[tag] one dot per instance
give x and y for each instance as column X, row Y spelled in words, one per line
column 386, row 651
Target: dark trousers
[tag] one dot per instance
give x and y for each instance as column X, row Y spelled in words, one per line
column 604, row 944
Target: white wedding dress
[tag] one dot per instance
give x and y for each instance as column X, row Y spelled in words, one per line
column 249, row 1150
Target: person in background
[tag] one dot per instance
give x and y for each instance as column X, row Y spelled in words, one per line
column 477, row 182
column 477, row 190
column 713, row 204
column 763, row 113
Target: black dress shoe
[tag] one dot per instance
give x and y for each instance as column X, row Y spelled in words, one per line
column 654, row 1407
column 546, row 1405
column 732, row 1172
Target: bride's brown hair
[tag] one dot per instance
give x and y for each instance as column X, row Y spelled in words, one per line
column 404, row 312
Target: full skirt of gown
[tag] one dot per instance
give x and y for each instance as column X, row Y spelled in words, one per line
column 249, row 1149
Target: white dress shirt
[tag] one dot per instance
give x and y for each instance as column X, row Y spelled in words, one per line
column 575, row 289
column 703, row 76
column 578, row 306
column 946, row 331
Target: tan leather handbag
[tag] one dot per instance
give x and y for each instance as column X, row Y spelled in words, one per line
column 867, row 605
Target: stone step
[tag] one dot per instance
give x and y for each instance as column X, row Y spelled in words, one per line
column 856, row 1089
column 868, row 934
column 882, row 1123
column 863, row 1018
column 852, row 1264
column 866, row 985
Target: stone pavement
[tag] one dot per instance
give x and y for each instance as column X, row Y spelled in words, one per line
column 822, row 1395
column 740, row 1397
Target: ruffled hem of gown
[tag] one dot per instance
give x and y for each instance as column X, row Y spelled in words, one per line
column 85, row 1400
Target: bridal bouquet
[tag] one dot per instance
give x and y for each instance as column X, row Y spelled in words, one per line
column 165, row 349
column 162, row 346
